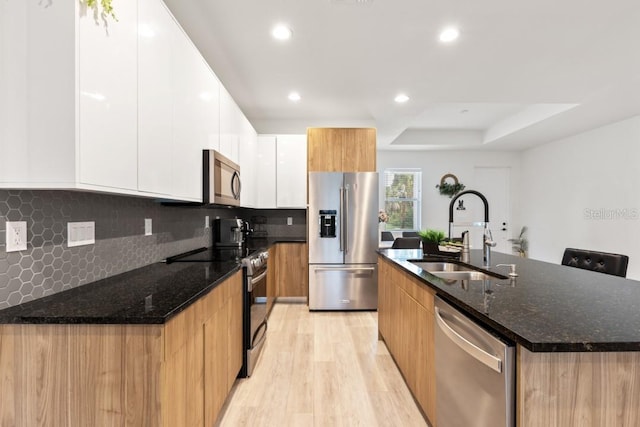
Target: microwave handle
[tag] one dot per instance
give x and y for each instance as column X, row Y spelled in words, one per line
column 234, row 178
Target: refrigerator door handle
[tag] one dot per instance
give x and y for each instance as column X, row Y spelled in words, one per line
column 346, row 222
column 344, row 269
column 341, row 218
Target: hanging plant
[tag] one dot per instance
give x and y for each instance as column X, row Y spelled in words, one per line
column 101, row 9
column 450, row 189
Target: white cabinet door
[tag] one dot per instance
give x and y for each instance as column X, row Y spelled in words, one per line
column 194, row 111
column 291, row 171
column 155, row 102
column 267, row 172
column 229, row 123
column 107, row 77
column 248, row 165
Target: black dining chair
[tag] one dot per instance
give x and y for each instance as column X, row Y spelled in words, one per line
column 410, row 234
column 602, row 262
column 386, row 236
column 406, row 243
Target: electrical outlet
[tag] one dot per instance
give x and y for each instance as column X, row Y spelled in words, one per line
column 81, row 233
column 16, row 236
column 289, row 220
column 148, row 228
column 206, row 222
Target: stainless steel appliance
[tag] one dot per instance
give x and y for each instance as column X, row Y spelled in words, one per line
column 220, row 179
column 255, row 309
column 343, row 238
column 475, row 375
column 229, row 232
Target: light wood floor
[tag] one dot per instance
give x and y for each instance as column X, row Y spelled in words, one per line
column 322, row 369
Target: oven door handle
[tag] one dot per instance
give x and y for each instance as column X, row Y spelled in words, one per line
column 261, row 329
column 256, row 279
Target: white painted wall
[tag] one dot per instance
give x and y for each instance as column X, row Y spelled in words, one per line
column 584, row 192
column 435, row 164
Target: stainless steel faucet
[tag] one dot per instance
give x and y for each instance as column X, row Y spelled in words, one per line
column 487, row 244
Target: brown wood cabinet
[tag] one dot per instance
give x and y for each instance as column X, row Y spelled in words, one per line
column 292, row 270
column 341, row 150
column 272, row 283
column 406, row 322
column 176, row 374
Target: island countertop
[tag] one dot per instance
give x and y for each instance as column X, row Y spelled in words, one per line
column 547, row 308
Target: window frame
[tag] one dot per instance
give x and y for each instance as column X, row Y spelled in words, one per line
column 417, row 199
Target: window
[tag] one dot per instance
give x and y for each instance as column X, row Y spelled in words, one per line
column 403, row 198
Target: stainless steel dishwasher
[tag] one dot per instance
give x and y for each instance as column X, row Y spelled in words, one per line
column 475, row 375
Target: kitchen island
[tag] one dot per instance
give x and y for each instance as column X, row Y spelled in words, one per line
column 577, row 334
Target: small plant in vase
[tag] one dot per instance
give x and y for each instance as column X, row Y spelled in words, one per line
column 431, row 240
column 521, row 244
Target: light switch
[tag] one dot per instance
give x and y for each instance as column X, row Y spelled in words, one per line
column 206, row 221
column 81, row 233
column 289, row 220
column 148, row 230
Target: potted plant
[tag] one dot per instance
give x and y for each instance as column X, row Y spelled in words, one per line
column 430, row 240
column 521, row 244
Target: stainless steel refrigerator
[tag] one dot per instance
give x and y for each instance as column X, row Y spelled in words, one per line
column 343, row 239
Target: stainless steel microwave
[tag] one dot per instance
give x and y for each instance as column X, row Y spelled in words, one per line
column 220, row 179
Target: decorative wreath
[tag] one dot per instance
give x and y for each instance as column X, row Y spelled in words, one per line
column 448, row 189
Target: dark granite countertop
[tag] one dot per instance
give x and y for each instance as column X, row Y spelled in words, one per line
column 147, row 295
column 548, row 307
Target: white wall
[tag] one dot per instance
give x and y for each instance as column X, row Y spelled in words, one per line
column 584, row 192
column 435, row 164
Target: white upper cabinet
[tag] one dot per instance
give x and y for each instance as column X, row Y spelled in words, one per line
column 282, row 171
column 230, row 123
column 291, row 171
column 266, row 171
column 155, row 97
column 107, row 84
column 248, row 165
column 123, row 107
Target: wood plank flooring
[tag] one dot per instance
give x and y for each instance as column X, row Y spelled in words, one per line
column 322, row 369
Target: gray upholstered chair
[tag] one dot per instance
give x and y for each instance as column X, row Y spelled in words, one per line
column 386, row 236
column 410, row 234
column 602, row 262
column 406, row 243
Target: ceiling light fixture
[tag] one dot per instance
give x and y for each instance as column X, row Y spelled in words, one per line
column 449, row 34
column 401, row 98
column 294, row 96
column 281, row 32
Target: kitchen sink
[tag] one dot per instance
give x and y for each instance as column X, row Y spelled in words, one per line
column 463, row 275
column 455, row 271
column 441, row 266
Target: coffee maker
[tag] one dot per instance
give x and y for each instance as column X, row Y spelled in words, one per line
column 229, row 232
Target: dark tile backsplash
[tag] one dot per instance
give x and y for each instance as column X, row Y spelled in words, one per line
column 49, row 266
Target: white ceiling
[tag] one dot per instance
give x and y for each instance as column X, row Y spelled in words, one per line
column 521, row 73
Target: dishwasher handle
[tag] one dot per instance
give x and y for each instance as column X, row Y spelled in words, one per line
column 474, row 351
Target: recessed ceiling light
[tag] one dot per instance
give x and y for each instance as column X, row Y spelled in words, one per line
column 294, row 96
column 281, row 32
column 400, row 98
column 449, row 34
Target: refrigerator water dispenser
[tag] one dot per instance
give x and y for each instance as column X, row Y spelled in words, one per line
column 327, row 221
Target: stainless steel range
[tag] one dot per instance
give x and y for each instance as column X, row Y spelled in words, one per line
column 255, row 308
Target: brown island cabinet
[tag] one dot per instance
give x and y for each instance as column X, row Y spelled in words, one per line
column 563, row 389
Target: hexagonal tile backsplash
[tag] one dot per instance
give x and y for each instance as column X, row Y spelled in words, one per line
column 49, row 266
